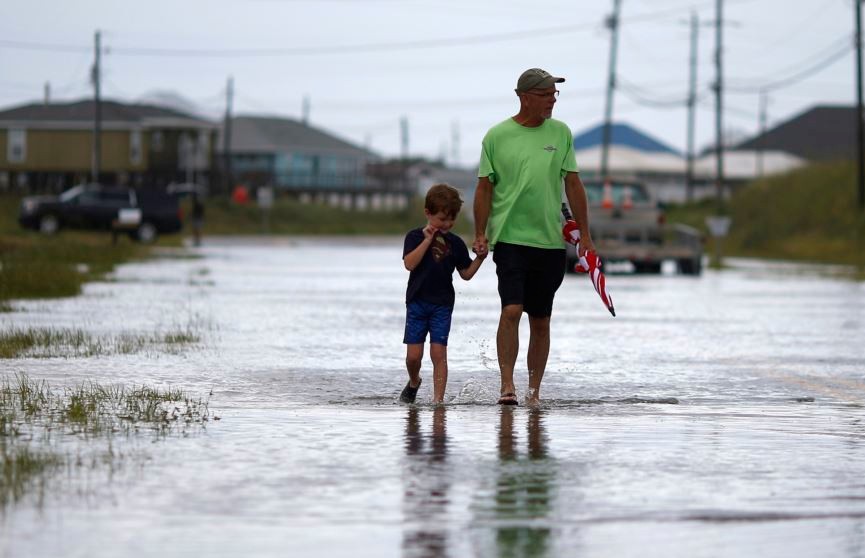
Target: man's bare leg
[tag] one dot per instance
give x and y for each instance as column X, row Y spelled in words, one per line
column 439, row 355
column 539, row 351
column 508, row 344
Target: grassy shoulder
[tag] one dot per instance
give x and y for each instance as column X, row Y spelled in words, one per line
column 810, row 214
column 36, row 266
column 290, row 217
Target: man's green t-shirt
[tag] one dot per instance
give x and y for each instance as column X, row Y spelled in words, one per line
column 526, row 166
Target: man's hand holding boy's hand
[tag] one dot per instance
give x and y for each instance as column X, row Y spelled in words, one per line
column 481, row 245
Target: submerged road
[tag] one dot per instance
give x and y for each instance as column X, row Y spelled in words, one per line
column 714, row 416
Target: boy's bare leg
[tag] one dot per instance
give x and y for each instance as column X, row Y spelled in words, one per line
column 439, row 355
column 413, row 359
column 508, row 344
column 539, row 351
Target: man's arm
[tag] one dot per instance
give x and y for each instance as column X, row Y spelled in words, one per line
column 576, row 194
column 482, row 207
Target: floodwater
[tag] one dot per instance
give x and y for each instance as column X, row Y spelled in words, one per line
column 714, row 416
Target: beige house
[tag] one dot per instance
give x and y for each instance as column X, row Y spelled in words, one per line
column 49, row 147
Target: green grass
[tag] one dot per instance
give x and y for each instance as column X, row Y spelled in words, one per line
column 810, row 214
column 289, row 216
column 35, row 266
column 32, row 415
column 24, row 400
column 68, row 343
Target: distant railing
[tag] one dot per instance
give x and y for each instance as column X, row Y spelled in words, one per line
column 324, row 181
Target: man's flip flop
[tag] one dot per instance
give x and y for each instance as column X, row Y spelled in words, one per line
column 409, row 393
column 508, row 399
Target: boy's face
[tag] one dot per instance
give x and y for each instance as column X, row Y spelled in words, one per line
column 440, row 221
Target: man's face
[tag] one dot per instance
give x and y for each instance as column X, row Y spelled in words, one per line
column 540, row 102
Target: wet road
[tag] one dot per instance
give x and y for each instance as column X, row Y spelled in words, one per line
column 714, row 416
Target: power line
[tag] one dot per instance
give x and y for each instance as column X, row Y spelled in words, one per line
column 308, row 51
column 640, row 95
column 335, row 49
column 815, row 68
column 814, row 55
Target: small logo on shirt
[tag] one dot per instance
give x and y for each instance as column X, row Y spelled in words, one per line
column 550, row 148
column 440, row 248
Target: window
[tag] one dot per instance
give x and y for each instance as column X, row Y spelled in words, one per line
column 16, row 151
column 156, row 141
column 135, row 147
column 110, row 198
column 202, row 152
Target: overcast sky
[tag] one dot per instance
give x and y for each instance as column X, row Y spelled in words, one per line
column 443, row 64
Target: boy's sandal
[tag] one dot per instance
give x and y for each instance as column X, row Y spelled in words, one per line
column 508, row 399
column 409, row 393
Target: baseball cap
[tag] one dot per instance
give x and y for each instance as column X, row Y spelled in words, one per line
column 536, row 78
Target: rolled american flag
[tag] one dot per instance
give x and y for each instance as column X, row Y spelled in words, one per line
column 589, row 262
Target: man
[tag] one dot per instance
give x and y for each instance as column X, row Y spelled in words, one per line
column 517, row 210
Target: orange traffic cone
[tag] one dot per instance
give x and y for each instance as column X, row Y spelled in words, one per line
column 607, row 201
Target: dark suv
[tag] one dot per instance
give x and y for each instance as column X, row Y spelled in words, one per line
column 144, row 214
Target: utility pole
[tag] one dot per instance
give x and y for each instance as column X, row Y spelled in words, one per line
column 47, row 92
column 764, row 106
column 719, row 224
column 613, row 24
column 305, row 110
column 226, row 136
column 860, row 133
column 403, row 135
column 403, row 166
column 96, row 76
column 719, row 104
column 455, row 143
column 692, row 108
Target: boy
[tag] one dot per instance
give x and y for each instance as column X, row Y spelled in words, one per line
column 431, row 254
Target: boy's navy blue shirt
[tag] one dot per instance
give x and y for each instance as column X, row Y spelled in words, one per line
column 432, row 280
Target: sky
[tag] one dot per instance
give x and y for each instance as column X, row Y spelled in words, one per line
column 448, row 67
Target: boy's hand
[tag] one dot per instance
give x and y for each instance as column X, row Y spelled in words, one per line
column 481, row 251
column 429, row 231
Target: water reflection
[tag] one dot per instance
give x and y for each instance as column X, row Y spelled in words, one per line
column 523, row 489
column 426, row 484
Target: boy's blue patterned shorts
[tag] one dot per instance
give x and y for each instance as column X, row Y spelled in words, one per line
column 422, row 317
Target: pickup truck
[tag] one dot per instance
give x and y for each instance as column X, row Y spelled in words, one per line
column 142, row 213
column 628, row 225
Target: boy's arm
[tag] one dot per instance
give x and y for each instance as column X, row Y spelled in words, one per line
column 413, row 258
column 469, row 271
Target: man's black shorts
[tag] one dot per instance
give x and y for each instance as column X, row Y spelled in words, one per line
column 529, row 276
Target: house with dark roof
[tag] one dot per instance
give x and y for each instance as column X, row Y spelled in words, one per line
column 293, row 156
column 49, row 147
column 820, row 133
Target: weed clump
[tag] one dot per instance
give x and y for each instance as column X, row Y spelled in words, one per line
column 33, row 415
